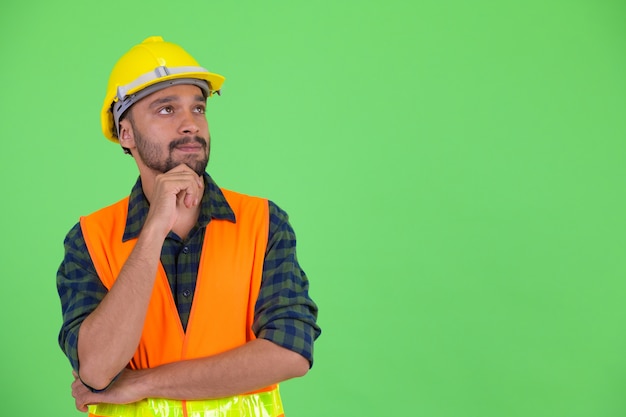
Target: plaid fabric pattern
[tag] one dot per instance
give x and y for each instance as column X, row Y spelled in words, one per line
column 284, row 313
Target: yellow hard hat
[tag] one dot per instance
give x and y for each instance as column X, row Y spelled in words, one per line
column 149, row 67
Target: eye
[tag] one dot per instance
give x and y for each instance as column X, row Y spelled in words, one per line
column 200, row 109
column 166, row 110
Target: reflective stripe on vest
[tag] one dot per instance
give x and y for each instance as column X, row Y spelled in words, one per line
column 227, row 286
column 264, row 404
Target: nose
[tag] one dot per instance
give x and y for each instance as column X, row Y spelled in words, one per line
column 189, row 123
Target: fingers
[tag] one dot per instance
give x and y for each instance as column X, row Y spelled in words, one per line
column 189, row 200
column 179, row 188
column 80, row 393
column 81, row 407
column 183, row 182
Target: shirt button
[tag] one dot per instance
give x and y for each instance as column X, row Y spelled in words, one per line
column 186, row 249
column 187, row 293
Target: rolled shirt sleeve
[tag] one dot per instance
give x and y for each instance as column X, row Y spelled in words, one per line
column 80, row 291
column 285, row 313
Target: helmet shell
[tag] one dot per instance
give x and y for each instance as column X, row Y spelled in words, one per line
column 146, row 64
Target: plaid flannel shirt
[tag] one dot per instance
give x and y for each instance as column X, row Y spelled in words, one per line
column 284, row 312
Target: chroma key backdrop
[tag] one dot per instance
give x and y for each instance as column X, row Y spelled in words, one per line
column 455, row 172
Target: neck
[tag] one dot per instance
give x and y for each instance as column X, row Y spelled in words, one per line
column 184, row 223
column 148, row 178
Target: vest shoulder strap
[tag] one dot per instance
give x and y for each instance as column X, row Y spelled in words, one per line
column 103, row 231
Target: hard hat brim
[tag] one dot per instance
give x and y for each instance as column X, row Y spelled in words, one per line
column 215, row 82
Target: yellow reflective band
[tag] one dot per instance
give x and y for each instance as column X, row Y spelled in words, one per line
column 263, row 404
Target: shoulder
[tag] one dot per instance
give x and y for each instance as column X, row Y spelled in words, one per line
column 118, row 206
column 278, row 216
column 107, row 219
column 243, row 203
column 74, row 238
column 235, row 196
column 76, row 256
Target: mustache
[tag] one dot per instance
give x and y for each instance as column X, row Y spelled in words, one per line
column 186, row 140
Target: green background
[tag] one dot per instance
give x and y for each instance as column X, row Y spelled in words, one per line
column 454, row 171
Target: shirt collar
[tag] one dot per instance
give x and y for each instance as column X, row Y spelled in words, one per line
column 214, row 206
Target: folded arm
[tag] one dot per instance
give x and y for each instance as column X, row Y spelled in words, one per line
column 257, row 364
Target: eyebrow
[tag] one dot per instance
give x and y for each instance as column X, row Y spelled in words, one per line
column 170, row 99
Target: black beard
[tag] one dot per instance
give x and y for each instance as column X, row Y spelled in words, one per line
column 198, row 165
column 150, row 154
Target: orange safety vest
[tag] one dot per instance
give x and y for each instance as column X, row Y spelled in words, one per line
column 227, row 288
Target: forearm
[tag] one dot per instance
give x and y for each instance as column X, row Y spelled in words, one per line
column 109, row 336
column 255, row 365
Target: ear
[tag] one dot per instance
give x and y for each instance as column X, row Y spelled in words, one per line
column 127, row 136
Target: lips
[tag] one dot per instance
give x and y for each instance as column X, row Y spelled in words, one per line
column 189, row 148
column 188, row 144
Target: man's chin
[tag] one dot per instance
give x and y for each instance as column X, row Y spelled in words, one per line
column 193, row 161
column 199, row 167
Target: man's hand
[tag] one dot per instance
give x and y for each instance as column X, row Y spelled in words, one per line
column 174, row 192
column 124, row 390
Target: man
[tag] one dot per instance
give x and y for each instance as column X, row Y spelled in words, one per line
column 182, row 299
